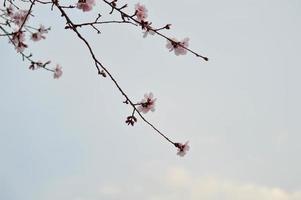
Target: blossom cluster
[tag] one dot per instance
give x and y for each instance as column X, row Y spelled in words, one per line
column 18, row 18
column 18, row 40
column 179, row 47
column 144, row 106
column 148, row 103
column 141, row 13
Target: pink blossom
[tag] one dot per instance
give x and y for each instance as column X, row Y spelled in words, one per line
column 177, row 46
column 19, row 17
column 85, row 5
column 147, row 103
column 147, row 32
column 42, row 29
column 141, row 12
column 57, row 72
column 39, row 35
column 18, row 41
column 182, row 148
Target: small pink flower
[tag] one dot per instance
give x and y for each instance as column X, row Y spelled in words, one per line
column 19, row 17
column 147, row 32
column 18, row 41
column 177, row 46
column 141, row 12
column 57, row 72
column 147, row 103
column 182, row 148
column 42, row 29
column 37, row 36
column 85, row 5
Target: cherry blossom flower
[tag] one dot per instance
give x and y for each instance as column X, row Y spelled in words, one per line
column 57, row 72
column 147, row 32
column 42, row 29
column 19, row 17
column 177, row 46
column 182, row 148
column 141, row 12
column 147, row 103
column 85, row 5
column 18, row 41
column 39, row 35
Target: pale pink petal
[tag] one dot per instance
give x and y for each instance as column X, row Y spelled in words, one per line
column 57, row 72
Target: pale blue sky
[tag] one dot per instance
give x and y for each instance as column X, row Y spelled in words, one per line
column 66, row 139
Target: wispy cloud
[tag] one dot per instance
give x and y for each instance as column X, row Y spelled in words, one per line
column 177, row 183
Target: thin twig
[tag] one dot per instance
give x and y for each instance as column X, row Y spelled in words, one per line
column 151, row 29
column 28, row 57
column 99, row 65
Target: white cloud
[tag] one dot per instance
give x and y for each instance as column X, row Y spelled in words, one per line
column 213, row 188
column 177, row 177
column 179, row 184
column 174, row 183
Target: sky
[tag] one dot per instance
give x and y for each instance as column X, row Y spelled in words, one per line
column 66, row 139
